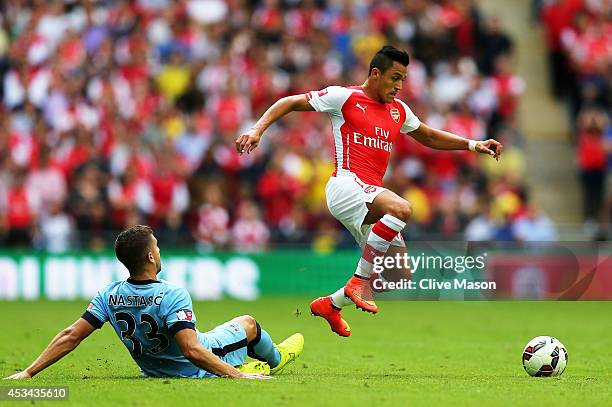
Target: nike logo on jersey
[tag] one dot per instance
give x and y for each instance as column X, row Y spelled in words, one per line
column 363, row 108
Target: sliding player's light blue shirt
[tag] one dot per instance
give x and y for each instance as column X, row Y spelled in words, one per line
column 146, row 315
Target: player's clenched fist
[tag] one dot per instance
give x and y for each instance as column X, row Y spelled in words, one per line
column 248, row 142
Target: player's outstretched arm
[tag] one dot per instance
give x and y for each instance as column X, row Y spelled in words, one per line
column 200, row 356
column 248, row 141
column 443, row 140
column 63, row 343
column 203, row 358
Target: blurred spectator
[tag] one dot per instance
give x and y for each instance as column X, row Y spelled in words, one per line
column 170, row 193
column 174, row 77
column 580, row 45
column 56, row 229
column 493, row 43
column 127, row 194
column 278, row 191
column 124, row 112
column 483, row 100
column 249, row 233
column 556, row 15
column 579, row 37
column 230, row 109
column 420, row 202
column 592, row 161
column 88, row 205
column 213, row 230
column 327, row 237
column 192, row 144
column 20, row 209
column 294, row 229
column 481, row 228
column 513, row 163
column 534, row 226
column 48, row 180
column 508, row 88
column 452, row 83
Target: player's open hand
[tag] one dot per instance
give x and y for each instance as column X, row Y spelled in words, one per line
column 256, row 376
column 491, row 147
column 21, row 375
column 248, row 142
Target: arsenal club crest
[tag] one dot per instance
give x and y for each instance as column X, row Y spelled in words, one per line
column 395, row 115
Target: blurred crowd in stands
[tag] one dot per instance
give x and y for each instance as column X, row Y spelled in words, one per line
column 579, row 40
column 121, row 112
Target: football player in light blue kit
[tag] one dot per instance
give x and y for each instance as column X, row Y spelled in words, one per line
column 155, row 321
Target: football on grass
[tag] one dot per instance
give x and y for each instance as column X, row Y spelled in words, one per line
column 544, row 356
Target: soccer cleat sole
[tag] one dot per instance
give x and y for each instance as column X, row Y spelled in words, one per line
column 364, row 309
column 348, row 329
column 339, row 334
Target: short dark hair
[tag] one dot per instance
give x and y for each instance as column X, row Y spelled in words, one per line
column 132, row 246
column 385, row 57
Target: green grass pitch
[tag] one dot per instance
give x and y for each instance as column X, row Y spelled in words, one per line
column 411, row 353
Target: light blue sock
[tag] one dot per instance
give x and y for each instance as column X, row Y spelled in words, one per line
column 262, row 348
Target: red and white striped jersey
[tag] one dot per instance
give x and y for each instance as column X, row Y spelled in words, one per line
column 364, row 129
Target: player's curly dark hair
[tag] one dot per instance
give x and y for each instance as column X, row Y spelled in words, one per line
column 385, row 57
column 132, row 246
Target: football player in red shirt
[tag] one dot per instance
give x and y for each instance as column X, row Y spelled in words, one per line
column 366, row 120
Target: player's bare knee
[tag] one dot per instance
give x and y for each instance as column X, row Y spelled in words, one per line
column 249, row 324
column 401, row 210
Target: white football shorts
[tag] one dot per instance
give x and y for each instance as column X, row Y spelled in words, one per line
column 347, row 197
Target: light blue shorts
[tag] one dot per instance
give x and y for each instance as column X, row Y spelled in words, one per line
column 228, row 341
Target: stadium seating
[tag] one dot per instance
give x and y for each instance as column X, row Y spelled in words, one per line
column 115, row 113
